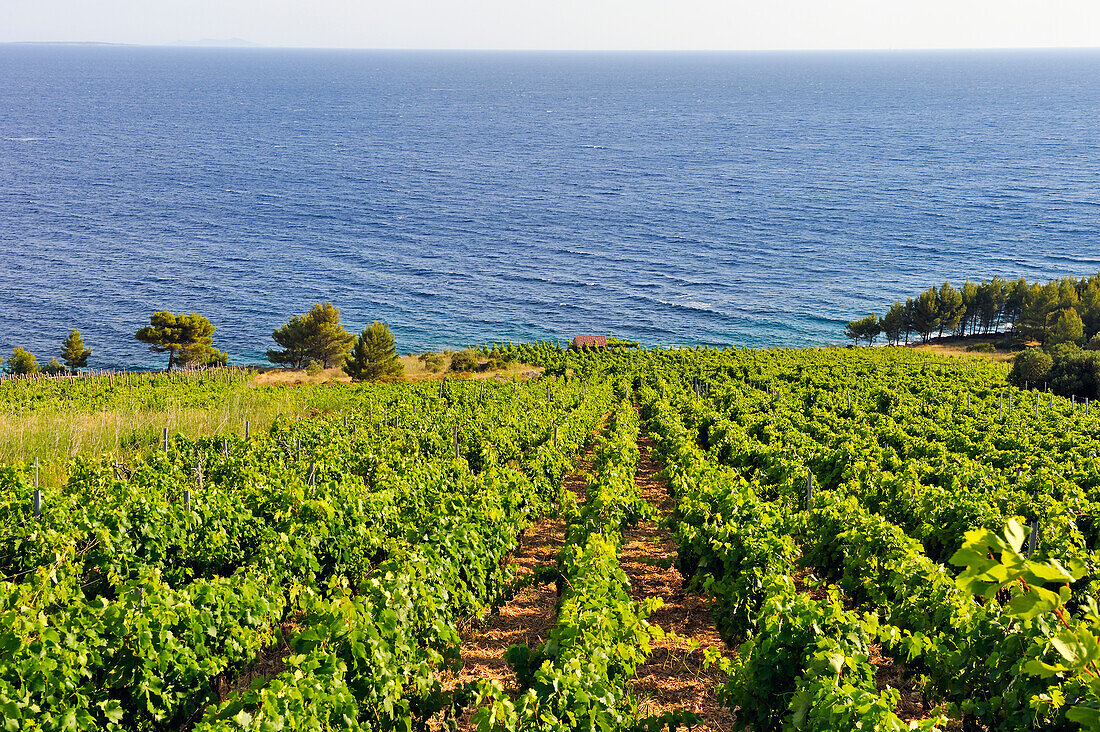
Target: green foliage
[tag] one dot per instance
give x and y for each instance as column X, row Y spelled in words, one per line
column 124, row 608
column 867, row 328
column 22, row 362
column 1060, row 311
column 53, row 368
column 432, row 361
column 186, row 338
column 1067, row 327
column 313, row 368
column 894, row 323
column 950, row 308
column 1030, row 367
column 374, row 355
column 73, row 352
column 1075, row 373
column 465, row 360
column 926, row 315
column 314, row 336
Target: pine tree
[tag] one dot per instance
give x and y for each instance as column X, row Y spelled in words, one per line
column 926, row 317
column 374, row 355
column 315, row 336
column 22, row 362
column 187, row 339
column 950, row 308
column 73, row 352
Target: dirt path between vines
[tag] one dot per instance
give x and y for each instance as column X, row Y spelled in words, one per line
column 529, row 616
column 673, row 676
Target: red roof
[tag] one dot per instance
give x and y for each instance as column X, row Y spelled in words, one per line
column 597, row 341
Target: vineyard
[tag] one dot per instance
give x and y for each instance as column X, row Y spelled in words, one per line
column 877, row 539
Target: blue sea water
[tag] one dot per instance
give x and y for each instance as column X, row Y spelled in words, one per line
column 745, row 198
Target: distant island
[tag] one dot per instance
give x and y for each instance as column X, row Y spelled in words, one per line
column 218, row 43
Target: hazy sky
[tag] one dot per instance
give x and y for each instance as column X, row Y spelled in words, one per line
column 564, row 24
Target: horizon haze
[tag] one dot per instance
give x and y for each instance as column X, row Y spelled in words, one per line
column 564, row 25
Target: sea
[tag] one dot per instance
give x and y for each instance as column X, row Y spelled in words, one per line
column 749, row 199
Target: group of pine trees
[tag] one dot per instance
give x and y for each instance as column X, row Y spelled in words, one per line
column 74, row 356
column 318, row 338
column 315, row 338
column 1066, row 310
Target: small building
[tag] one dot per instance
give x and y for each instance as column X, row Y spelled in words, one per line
column 593, row 341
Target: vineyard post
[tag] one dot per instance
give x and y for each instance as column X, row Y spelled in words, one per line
column 246, row 426
column 809, row 488
column 225, row 448
column 165, row 440
column 555, row 437
column 456, row 441
column 312, row 474
column 848, row 394
column 187, row 501
column 1033, row 537
column 37, row 493
column 1052, row 400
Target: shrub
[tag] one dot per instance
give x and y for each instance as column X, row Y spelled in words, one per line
column 314, row 367
column 1076, row 372
column 982, row 348
column 1030, row 366
column 432, row 361
column 464, row 361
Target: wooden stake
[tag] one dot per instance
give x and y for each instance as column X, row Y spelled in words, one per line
column 37, row 493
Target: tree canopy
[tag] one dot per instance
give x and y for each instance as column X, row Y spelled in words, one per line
column 1066, row 310
column 22, row 362
column 187, row 339
column 314, row 336
column 866, row 328
column 374, row 355
column 73, row 352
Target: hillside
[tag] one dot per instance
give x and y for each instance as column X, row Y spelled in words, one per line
column 823, row 539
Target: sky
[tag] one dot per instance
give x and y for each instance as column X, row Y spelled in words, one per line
column 564, row 24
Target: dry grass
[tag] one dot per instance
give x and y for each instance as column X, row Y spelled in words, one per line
column 949, row 346
column 300, row 377
column 947, row 349
column 57, row 434
column 415, row 370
